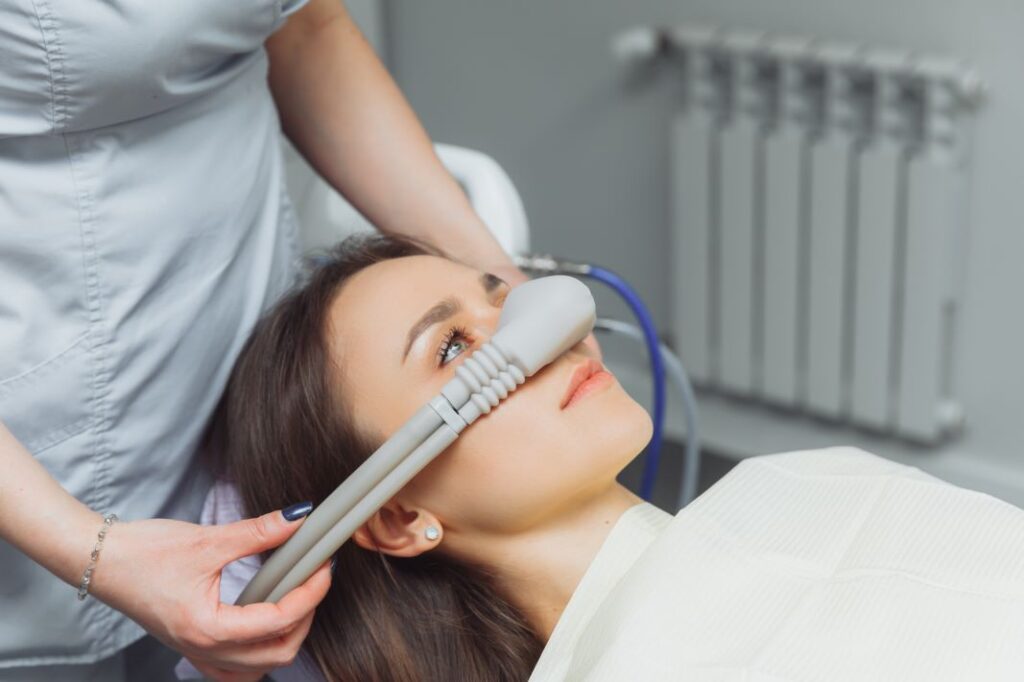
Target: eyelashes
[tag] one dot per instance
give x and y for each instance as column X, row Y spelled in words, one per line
column 456, row 338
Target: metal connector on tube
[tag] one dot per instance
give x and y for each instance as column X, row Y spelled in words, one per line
column 545, row 263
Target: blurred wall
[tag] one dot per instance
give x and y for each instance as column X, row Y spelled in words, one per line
column 534, row 84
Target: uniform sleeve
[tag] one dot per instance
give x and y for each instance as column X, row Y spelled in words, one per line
column 290, row 6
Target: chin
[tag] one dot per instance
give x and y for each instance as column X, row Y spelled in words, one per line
column 628, row 432
column 643, row 429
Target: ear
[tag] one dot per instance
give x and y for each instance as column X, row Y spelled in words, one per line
column 397, row 531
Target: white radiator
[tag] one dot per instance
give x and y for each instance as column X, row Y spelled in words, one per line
column 819, row 197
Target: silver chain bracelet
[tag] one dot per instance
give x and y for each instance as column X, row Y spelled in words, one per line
column 83, row 589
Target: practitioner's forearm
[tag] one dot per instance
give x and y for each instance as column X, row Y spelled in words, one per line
column 347, row 117
column 39, row 517
column 161, row 573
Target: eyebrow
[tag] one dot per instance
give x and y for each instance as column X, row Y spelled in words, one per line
column 447, row 308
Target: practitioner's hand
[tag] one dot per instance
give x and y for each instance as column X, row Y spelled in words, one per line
column 165, row 575
column 514, row 276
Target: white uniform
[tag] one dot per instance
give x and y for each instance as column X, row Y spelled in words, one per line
column 144, row 227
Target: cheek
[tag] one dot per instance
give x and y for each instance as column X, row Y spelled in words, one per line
column 517, row 465
column 384, row 407
column 483, row 480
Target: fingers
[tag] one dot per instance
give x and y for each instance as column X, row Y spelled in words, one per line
column 285, row 652
column 510, row 273
column 256, row 622
column 252, row 536
column 270, row 654
column 274, row 647
column 252, row 661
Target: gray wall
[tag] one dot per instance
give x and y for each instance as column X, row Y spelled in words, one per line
column 533, row 83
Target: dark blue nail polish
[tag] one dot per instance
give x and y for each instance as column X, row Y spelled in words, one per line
column 334, row 561
column 297, row 511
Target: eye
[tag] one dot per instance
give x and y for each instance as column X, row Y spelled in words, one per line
column 455, row 341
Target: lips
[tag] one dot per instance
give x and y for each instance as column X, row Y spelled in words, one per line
column 583, row 371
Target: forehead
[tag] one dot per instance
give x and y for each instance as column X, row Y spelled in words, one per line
column 379, row 303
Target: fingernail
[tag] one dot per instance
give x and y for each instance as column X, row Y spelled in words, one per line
column 297, row 511
column 334, row 560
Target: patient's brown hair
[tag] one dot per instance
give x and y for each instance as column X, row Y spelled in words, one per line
column 283, row 434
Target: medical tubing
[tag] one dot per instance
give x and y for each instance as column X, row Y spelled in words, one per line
column 417, row 429
column 540, row 320
column 480, row 382
column 363, row 510
column 674, row 367
column 653, row 458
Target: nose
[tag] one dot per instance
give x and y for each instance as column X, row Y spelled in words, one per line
column 573, row 357
column 484, row 316
column 584, row 348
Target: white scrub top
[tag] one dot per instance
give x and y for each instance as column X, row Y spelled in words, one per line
column 144, row 227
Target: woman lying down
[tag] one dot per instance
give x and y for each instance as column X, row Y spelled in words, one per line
column 516, row 555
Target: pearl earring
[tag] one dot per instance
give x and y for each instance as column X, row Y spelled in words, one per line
column 432, row 533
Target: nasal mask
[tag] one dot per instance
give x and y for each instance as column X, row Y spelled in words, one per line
column 541, row 319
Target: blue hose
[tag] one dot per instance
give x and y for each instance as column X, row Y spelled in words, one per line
column 652, row 454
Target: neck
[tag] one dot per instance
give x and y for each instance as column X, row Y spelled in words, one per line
column 540, row 569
